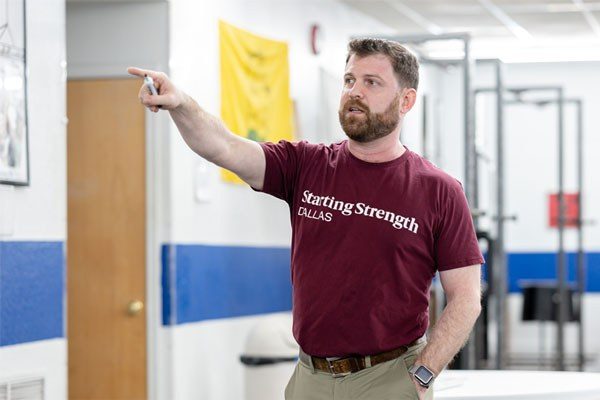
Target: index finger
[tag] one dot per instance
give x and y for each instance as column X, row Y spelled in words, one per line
column 141, row 72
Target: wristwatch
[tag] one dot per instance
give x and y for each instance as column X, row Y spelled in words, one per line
column 422, row 374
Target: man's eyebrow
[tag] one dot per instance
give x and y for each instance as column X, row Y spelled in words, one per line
column 366, row 75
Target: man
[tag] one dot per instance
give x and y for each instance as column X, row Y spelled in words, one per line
column 372, row 222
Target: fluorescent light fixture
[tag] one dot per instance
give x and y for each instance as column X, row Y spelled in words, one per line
column 533, row 58
column 503, row 17
column 589, row 17
column 515, row 53
column 415, row 17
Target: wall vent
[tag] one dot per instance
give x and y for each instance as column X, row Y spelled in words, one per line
column 29, row 389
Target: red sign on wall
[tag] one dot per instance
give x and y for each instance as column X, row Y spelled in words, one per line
column 571, row 210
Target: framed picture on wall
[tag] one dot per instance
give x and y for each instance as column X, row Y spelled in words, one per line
column 14, row 143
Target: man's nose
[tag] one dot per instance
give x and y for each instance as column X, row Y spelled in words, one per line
column 356, row 92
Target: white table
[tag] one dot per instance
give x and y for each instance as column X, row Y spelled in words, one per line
column 513, row 384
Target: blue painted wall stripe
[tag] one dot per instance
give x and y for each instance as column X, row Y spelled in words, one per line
column 527, row 266
column 32, row 291
column 199, row 283
column 209, row 282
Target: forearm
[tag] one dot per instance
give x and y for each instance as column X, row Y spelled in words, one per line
column 204, row 133
column 450, row 333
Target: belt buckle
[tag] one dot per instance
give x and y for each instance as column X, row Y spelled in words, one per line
column 340, row 374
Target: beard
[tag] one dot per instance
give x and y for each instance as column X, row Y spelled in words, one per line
column 367, row 126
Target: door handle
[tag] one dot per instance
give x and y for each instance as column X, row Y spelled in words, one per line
column 135, row 307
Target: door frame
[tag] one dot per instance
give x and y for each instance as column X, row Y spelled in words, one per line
column 158, row 341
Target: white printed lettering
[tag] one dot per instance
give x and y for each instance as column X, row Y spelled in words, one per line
column 398, row 221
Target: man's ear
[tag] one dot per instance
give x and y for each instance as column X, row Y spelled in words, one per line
column 408, row 100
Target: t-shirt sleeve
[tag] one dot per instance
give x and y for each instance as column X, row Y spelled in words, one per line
column 282, row 164
column 456, row 243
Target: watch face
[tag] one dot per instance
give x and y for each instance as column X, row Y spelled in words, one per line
column 423, row 374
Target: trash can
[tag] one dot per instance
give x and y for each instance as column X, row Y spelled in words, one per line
column 270, row 356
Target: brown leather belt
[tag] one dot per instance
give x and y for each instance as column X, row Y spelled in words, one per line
column 348, row 365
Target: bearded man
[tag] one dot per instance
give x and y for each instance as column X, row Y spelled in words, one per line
column 360, row 283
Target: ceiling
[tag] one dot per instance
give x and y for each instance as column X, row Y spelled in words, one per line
column 515, row 30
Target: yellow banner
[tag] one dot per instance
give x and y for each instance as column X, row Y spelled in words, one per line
column 255, row 96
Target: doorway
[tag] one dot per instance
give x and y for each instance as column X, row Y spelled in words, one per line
column 106, row 240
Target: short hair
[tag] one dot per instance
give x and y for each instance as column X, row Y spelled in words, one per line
column 405, row 64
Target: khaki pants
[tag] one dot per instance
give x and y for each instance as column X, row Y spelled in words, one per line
column 386, row 381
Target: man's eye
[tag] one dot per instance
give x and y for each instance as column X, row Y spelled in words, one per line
column 348, row 80
column 371, row 82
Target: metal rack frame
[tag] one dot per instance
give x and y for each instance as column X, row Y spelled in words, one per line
column 561, row 261
column 578, row 104
column 499, row 277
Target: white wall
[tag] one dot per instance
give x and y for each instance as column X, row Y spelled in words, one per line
column 41, row 359
column 38, row 212
column 531, row 151
column 535, row 161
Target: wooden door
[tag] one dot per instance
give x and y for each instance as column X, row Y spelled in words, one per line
column 106, row 238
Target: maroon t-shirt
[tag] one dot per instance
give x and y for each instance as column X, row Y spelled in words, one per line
column 367, row 239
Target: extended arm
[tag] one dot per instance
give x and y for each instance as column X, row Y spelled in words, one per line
column 204, row 133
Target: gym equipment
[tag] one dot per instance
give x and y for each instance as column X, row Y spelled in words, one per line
column 581, row 260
